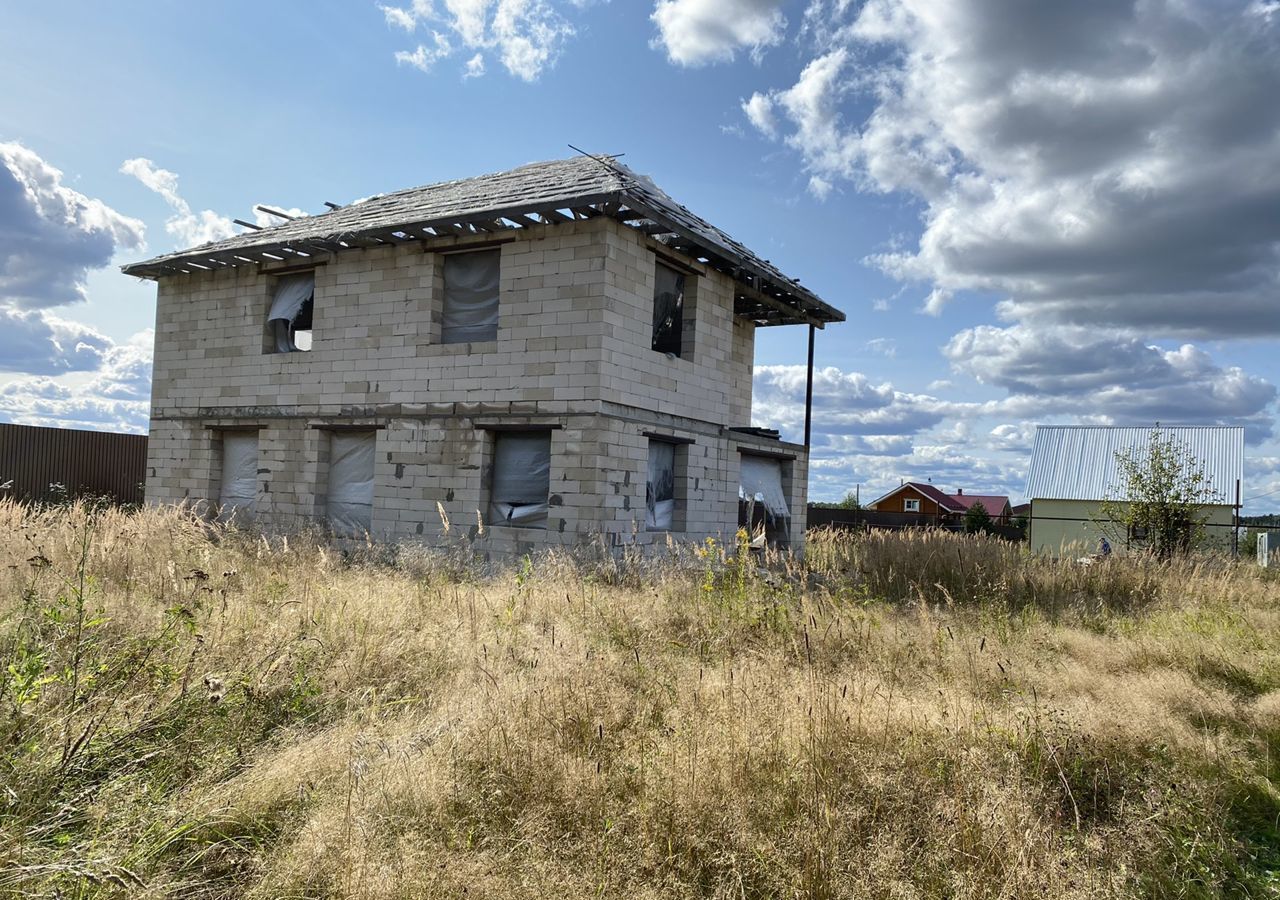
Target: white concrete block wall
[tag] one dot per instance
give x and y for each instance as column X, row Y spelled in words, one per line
column 573, row 351
column 711, row 380
column 599, row 464
column 376, row 333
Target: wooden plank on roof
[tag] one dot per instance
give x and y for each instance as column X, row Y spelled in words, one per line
column 797, row 315
column 275, row 212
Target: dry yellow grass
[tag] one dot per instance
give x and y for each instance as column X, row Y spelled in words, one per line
column 191, row 712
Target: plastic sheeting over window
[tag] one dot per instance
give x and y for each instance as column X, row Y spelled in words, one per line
column 238, row 494
column 350, row 500
column 660, row 487
column 291, row 312
column 521, row 479
column 668, row 309
column 760, row 479
column 470, row 297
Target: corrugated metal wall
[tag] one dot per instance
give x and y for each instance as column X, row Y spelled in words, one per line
column 96, row 463
column 1078, row 462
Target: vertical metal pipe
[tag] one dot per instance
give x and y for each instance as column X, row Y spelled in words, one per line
column 1235, row 524
column 808, row 392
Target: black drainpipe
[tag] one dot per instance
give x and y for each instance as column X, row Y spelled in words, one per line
column 808, row 391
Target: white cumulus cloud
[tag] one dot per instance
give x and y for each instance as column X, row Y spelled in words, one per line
column 195, row 228
column 1108, row 162
column 189, row 227
column 51, row 236
column 697, row 32
column 526, row 36
column 115, row 395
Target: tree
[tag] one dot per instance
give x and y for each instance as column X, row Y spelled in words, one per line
column 977, row 519
column 1159, row 501
column 850, row 501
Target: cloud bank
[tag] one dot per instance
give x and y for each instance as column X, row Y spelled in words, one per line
column 1096, row 163
column 52, row 235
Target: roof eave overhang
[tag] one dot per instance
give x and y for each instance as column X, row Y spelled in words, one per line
column 759, row 295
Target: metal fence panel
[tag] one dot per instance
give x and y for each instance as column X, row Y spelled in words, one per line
column 52, row 463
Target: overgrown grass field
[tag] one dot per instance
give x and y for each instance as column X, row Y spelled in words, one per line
column 187, row 711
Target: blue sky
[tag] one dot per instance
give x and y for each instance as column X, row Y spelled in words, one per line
column 1027, row 215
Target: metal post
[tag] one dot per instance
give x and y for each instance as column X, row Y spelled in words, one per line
column 1235, row 525
column 808, row 392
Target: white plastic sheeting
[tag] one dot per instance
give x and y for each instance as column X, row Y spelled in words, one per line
column 521, row 479
column 668, row 309
column 470, row 297
column 293, row 293
column 238, row 494
column 350, row 500
column 760, row 479
column 660, row 487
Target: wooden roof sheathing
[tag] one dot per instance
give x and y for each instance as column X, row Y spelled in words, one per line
column 535, row 194
column 1078, row 462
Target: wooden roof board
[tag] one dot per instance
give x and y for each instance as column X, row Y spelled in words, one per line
column 547, row 186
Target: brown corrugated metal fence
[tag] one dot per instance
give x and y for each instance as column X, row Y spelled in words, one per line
column 84, row 463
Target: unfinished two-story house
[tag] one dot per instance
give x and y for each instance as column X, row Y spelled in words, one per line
column 552, row 355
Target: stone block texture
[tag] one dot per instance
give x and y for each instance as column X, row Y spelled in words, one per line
column 572, row 356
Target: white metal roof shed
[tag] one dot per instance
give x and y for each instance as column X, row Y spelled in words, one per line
column 1078, row 462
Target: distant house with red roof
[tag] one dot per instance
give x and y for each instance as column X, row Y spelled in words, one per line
column 925, row 500
column 917, row 497
column 997, row 507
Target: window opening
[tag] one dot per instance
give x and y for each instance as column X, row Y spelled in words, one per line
column 660, row 487
column 762, row 505
column 470, row 311
column 910, row 505
column 290, row 318
column 349, row 505
column 668, row 309
column 238, row 490
column 521, row 481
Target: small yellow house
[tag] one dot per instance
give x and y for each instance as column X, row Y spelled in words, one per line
column 1074, row 470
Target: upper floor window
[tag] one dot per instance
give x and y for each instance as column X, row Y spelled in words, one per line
column 909, row 505
column 668, row 310
column 470, row 311
column 291, row 312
